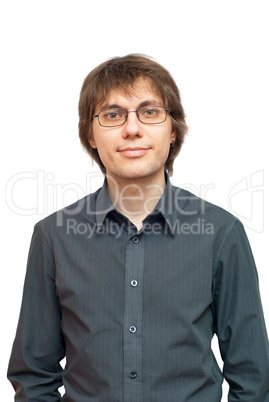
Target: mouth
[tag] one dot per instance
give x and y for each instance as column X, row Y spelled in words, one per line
column 133, row 152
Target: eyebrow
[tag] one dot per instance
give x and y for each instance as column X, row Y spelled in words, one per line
column 106, row 106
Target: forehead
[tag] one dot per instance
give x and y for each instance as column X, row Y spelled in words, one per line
column 140, row 91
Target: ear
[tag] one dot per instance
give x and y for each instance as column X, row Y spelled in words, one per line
column 173, row 136
column 92, row 143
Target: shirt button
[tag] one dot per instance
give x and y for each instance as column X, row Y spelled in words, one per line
column 133, row 375
column 135, row 239
column 99, row 230
column 132, row 329
column 134, row 283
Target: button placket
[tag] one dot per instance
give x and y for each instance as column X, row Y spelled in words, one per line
column 133, row 319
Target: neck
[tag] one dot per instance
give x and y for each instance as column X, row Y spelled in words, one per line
column 136, row 198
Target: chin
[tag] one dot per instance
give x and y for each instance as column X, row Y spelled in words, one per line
column 137, row 173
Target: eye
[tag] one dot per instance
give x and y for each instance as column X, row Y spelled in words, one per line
column 150, row 112
column 113, row 114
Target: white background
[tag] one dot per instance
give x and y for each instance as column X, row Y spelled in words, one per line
column 217, row 52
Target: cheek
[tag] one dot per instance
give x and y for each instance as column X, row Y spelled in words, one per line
column 166, row 151
column 164, row 143
column 96, row 135
column 164, row 148
column 104, row 151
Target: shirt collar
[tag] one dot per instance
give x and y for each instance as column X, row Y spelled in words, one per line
column 166, row 206
column 103, row 205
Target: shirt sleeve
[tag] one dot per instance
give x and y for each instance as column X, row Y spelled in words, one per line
column 239, row 320
column 34, row 369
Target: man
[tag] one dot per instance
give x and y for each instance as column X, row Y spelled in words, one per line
column 131, row 283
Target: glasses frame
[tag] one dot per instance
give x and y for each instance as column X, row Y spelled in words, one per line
column 127, row 114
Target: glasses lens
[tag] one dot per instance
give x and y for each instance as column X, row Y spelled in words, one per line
column 112, row 117
column 152, row 114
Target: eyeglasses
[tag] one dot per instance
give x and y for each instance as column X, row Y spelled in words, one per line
column 118, row 116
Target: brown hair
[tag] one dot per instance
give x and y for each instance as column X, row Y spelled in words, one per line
column 121, row 73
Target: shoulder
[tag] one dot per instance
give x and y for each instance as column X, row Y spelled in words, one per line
column 206, row 217
column 80, row 211
column 190, row 204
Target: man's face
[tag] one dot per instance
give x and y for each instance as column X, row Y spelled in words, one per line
column 134, row 150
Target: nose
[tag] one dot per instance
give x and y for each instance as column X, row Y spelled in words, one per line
column 132, row 126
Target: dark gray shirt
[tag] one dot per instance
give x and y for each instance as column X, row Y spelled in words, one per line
column 135, row 312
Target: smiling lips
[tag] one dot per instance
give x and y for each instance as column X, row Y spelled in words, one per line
column 133, row 152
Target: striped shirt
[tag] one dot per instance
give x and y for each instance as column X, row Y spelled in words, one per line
column 134, row 312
